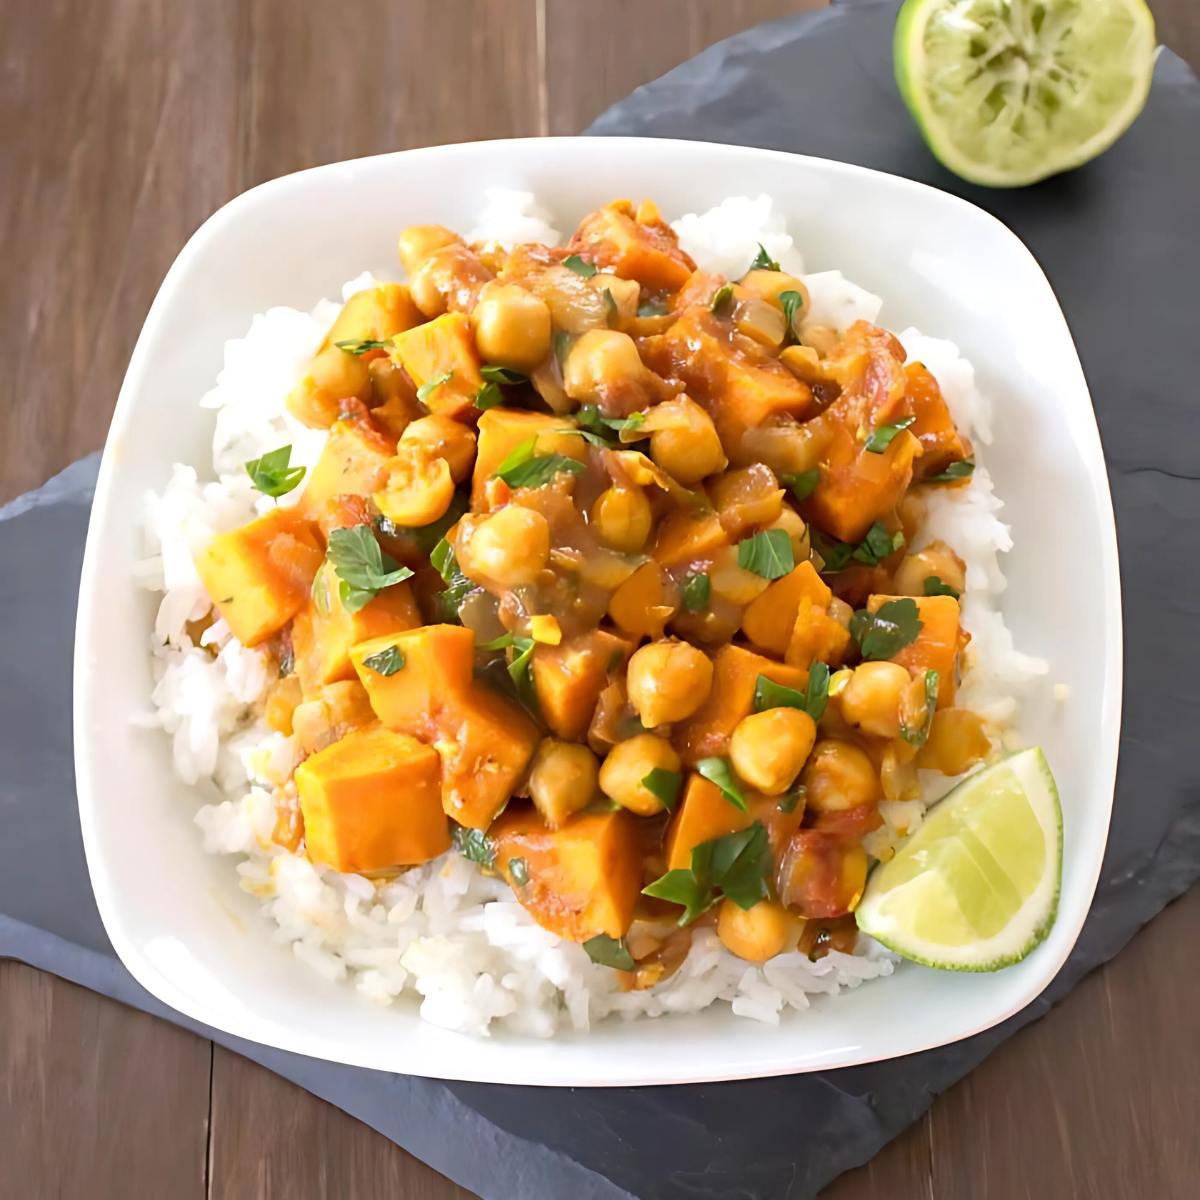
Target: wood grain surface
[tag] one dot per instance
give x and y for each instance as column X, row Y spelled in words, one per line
column 123, row 124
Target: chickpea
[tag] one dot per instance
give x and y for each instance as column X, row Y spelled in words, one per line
column 562, row 780
column 628, row 763
column 792, row 523
column 445, row 438
column 417, row 486
column 623, row 518
column 769, row 748
column 601, row 362
column 770, row 285
column 449, row 279
column 687, row 447
column 668, row 681
column 332, row 376
column 427, row 287
column 511, row 546
column 757, row 933
column 418, row 242
column 871, row 700
column 935, row 559
column 839, row 776
column 512, row 326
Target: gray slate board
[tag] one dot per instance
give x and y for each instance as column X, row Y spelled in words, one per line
column 1119, row 244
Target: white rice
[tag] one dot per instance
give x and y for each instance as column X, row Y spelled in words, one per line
column 446, row 933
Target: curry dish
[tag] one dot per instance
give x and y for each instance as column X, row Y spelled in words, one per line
column 603, row 576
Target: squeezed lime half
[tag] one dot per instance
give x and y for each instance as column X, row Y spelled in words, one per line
column 1007, row 92
column 976, row 887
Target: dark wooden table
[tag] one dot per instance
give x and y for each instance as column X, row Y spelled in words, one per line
column 123, row 124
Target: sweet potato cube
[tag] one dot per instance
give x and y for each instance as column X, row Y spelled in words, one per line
column 770, row 619
column 375, row 314
column 440, row 348
column 569, row 678
column 485, row 742
column 685, row 537
column 735, row 674
column 322, row 634
column 937, row 646
column 858, row 487
column 934, row 427
column 740, row 385
column 703, row 814
column 438, row 664
column 351, row 464
column 646, row 251
column 816, row 637
column 258, row 575
column 372, row 800
column 641, row 606
column 581, row 879
column 502, row 430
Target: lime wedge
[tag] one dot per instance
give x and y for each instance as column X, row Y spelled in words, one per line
column 1007, row 92
column 976, row 887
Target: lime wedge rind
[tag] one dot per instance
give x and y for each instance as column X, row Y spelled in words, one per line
column 1076, row 96
column 1025, row 929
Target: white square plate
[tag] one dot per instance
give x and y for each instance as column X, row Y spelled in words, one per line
column 176, row 916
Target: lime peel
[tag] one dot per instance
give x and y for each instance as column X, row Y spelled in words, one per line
column 976, row 887
column 1007, row 92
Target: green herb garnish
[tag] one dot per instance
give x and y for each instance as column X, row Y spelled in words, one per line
column 475, row 845
column 918, row 737
column 518, row 871
column 520, row 670
column 386, row 662
column 696, row 591
column 790, row 301
column 722, row 300
column 612, row 312
column 458, row 586
column 885, row 632
column 609, row 952
column 962, row 469
column 882, row 436
column 763, row 261
column 522, row 469
column 664, row 785
column 934, row 586
column 768, row 553
column 803, row 483
column 271, row 473
column 877, row 545
column 427, row 389
column 362, row 567
column 734, row 865
column 769, row 694
column 579, row 265
column 355, row 347
column 790, row 800
column 488, row 396
column 718, row 771
column 590, row 418
column 503, row 375
column 655, row 308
